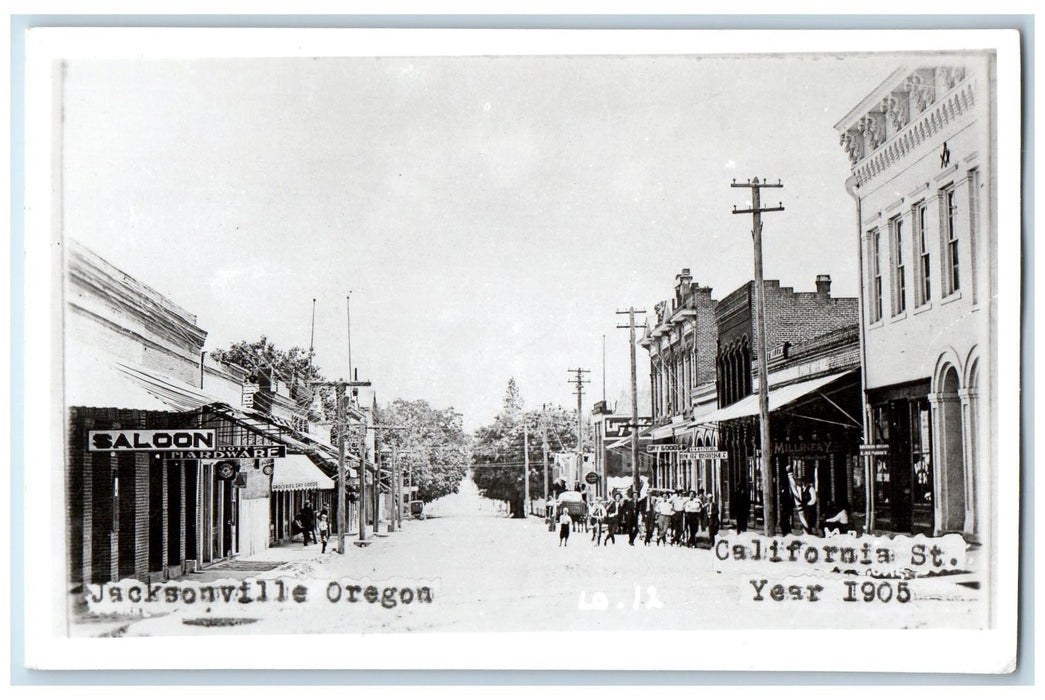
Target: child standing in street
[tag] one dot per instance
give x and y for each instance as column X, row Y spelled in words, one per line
column 323, row 526
column 565, row 521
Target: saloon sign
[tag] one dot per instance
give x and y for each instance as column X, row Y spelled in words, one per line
column 149, row 440
column 178, row 444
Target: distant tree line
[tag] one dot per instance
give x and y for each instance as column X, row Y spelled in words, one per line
column 498, row 450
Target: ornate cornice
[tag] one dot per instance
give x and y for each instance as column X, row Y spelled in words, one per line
column 902, row 115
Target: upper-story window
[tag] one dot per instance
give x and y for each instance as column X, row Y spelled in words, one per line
column 974, row 212
column 949, row 236
column 923, row 288
column 899, row 267
column 876, row 275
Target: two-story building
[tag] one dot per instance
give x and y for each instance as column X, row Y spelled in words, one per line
column 682, row 348
column 814, row 396
column 923, row 179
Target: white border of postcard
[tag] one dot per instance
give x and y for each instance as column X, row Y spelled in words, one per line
column 953, row 651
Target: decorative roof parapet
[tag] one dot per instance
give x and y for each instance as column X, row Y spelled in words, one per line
column 910, row 107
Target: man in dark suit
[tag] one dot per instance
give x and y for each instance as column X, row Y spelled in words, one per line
column 308, row 523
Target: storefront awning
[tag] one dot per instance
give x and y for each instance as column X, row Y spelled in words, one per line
column 329, row 464
column 176, row 394
column 778, row 398
column 93, row 382
column 644, row 439
column 257, row 423
column 667, row 431
column 298, row 473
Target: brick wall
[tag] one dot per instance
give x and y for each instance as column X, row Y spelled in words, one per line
column 77, row 496
column 127, row 502
column 706, row 336
column 734, row 315
column 107, row 535
column 688, row 332
column 102, row 537
column 796, row 316
column 141, row 517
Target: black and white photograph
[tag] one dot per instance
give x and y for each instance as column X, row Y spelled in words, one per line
column 682, row 350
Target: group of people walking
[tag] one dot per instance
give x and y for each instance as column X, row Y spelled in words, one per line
column 691, row 518
column 679, row 518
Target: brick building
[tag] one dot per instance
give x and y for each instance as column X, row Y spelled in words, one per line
column 682, row 348
column 814, row 395
column 923, row 179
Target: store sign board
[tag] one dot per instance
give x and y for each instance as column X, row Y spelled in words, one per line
column 804, row 448
column 707, row 453
column 665, row 448
column 880, row 449
column 591, row 478
column 248, row 452
column 150, row 440
column 226, row 470
column 249, row 390
column 620, row 426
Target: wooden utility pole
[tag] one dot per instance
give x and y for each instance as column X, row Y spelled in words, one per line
column 636, row 483
column 339, row 393
column 342, row 426
column 766, row 459
column 362, row 477
column 604, row 368
column 348, row 325
column 526, row 468
column 544, row 450
column 397, row 489
column 579, row 381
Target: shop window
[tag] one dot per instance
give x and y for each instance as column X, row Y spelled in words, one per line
column 882, row 472
column 949, row 235
column 924, row 283
column 876, row 275
column 856, row 478
column 899, row 272
column 747, row 368
column 754, row 472
column 921, row 453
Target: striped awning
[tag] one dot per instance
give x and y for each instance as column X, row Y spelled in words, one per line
column 298, row 473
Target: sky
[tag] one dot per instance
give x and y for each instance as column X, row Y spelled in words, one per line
column 487, row 215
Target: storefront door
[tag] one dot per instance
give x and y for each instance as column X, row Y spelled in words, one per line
column 903, row 481
column 921, row 466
